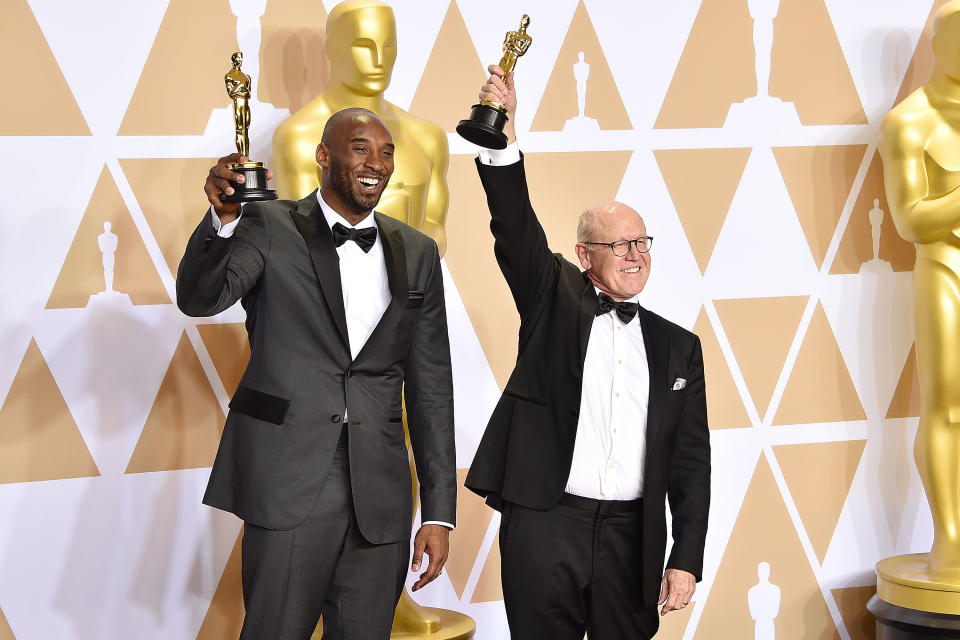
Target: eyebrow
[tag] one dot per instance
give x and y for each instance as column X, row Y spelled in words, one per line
column 389, row 144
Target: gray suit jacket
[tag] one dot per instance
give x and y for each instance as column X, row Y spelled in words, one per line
column 286, row 415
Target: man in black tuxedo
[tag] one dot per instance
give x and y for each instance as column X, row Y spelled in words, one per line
column 602, row 420
column 344, row 311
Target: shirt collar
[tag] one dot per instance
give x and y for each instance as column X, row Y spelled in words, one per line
column 332, row 217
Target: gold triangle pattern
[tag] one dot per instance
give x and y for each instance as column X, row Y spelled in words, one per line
column 819, row 476
column 852, row 603
column 83, row 273
column 760, row 331
column 602, row 101
column 184, row 426
column 6, row 633
column 702, row 183
column 39, row 439
column 726, row 613
column 473, row 520
column 293, row 57
column 229, row 349
column 38, row 100
column 819, row 388
column 489, row 588
column 815, row 78
column 224, row 617
column 447, row 85
column 725, row 408
column 180, row 85
column 819, row 180
column 905, row 402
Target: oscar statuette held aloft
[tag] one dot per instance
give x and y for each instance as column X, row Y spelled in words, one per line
column 484, row 127
column 254, row 186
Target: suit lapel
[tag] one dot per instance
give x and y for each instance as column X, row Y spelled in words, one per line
column 326, row 263
column 395, row 259
column 658, row 352
column 589, row 303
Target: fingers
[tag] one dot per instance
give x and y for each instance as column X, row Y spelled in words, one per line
column 418, row 545
column 434, row 541
column 494, row 90
column 218, row 182
column 676, row 590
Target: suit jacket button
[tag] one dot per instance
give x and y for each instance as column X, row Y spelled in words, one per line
column 335, row 418
column 349, row 373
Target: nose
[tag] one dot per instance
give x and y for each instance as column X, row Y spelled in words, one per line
column 374, row 162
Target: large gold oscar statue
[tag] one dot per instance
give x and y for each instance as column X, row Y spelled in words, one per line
column 361, row 44
column 920, row 147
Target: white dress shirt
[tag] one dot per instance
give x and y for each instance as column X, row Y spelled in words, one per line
column 608, row 455
column 363, row 280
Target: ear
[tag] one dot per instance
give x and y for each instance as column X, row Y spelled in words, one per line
column 583, row 253
column 323, row 155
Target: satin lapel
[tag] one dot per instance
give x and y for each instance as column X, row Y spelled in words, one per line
column 658, row 353
column 589, row 303
column 326, row 263
column 395, row 257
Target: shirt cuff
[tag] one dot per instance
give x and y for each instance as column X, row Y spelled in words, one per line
column 501, row 157
column 443, row 524
column 224, row 230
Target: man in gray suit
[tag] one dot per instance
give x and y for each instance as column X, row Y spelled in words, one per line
column 345, row 314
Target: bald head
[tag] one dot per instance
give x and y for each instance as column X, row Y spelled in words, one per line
column 345, row 120
column 600, row 215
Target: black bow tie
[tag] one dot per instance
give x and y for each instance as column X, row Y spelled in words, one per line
column 626, row 311
column 363, row 237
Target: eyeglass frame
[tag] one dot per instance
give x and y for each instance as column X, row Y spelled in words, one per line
column 635, row 243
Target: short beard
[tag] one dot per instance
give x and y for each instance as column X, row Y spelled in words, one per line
column 348, row 189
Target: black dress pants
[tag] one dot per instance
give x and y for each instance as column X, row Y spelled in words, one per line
column 574, row 569
column 323, row 566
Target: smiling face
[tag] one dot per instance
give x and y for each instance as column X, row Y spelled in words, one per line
column 357, row 160
column 618, row 277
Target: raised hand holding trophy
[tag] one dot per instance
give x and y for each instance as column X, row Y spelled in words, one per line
column 254, row 186
column 484, row 127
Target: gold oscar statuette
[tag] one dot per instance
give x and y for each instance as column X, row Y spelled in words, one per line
column 254, row 186
column 484, row 127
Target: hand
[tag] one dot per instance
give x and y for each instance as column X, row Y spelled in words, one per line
column 434, row 540
column 499, row 88
column 676, row 590
column 218, row 181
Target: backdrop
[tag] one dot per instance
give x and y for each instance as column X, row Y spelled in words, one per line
column 764, row 201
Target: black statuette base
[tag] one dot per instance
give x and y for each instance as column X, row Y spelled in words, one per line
column 899, row 623
column 254, row 187
column 484, row 127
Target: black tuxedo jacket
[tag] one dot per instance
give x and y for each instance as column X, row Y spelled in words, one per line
column 526, row 451
column 286, row 415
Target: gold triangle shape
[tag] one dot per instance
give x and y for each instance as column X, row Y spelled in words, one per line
column 293, row 56
column 819, row 388
column 489, row 588
column 39, row 101
column 180, row 85
column 905, row 402
column 82, row 273
column 725, row 408
column 726, row 613
column 473, row 520
column 229, row 349
column 173, row 212
column 715, row 69
column 6, row 633
column 447, row 86
column 760, row 331
column 561, row 186
column 602, row 101
column 39, row 439
column 852, row 603
column 813, row 77
column 819, row 476
column 856, row 246
column 702, row 183
column 184, row 426
column 819, row 180
column 921, row 64
column 224, row 617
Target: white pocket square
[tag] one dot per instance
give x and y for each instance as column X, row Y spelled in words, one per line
column 679, row 383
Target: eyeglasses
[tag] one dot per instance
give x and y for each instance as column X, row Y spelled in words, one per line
column 622, row 247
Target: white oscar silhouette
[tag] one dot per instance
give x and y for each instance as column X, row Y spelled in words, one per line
column 764, row 601
column 875, row 264
column 581, row 123
column 108, row 242
column 763, row 108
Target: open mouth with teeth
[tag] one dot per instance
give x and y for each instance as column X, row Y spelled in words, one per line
column 631, row 270
column 368, row 184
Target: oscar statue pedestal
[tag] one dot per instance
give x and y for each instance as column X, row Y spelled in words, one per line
column 912, row 604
